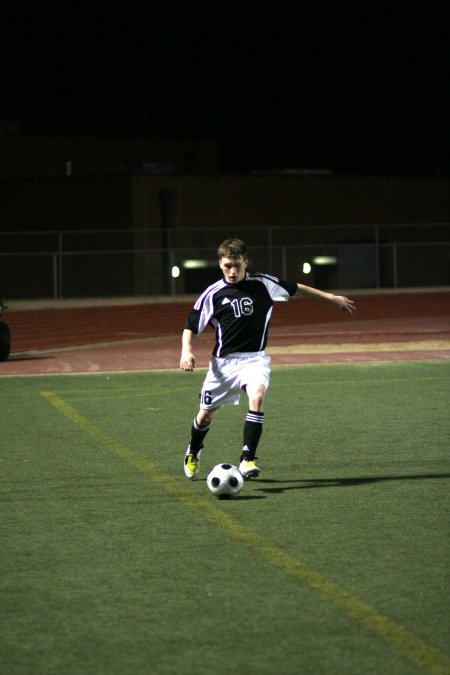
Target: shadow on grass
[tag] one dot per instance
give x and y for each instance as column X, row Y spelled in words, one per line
column 309, row 483
column 242, row 497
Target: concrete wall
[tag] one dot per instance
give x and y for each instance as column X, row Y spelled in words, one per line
column 197, row 211
column 281, row 201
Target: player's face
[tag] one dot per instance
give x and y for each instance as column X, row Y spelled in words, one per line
column 233, row 269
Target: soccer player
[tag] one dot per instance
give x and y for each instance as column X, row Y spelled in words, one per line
column 238, row 307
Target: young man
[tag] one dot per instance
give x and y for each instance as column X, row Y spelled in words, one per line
column 238, row 307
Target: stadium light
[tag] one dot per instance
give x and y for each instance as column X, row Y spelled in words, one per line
column 194, row 264
column 324, row 260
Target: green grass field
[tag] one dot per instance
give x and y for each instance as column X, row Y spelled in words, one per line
column 335, row 561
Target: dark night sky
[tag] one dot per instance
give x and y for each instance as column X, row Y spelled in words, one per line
column 358, row 88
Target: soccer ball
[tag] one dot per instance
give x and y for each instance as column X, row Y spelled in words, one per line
column 225, row 481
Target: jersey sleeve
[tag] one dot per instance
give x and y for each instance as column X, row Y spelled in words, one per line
column 288, row 286
column 202, row 312
column 192, row 321
column 278, row 289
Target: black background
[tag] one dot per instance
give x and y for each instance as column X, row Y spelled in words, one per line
column 353, row 88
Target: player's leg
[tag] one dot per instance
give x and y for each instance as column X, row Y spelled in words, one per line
column 218, row 388
column 200, row 427
column 254, row 419
column 257, row 374
column 253, row 426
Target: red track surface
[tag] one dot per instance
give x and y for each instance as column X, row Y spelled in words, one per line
column 146, row 336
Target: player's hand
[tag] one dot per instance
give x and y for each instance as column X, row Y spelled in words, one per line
column 344, row 304
column 187, row 361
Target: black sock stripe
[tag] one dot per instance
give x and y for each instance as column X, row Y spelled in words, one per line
column 254, row 417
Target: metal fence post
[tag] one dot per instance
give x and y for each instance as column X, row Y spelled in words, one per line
column 284, row 262
column 55, row 275
column 394, row 265
column 377, row 256
column 269, row 244
column 60, row 265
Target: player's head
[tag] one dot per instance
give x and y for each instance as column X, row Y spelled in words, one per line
column 233, row 260
column 232, row 248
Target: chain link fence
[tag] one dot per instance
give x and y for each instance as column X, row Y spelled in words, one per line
column 157, row 261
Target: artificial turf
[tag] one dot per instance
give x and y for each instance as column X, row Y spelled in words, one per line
column 334, row 561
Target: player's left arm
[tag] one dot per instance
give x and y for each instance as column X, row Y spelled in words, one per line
column 339, row 301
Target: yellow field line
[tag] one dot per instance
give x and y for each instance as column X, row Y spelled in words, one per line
column 428, row 657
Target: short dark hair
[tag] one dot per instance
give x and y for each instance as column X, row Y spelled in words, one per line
column 232, row 248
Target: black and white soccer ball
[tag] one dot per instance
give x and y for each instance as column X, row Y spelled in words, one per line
column 225, row 481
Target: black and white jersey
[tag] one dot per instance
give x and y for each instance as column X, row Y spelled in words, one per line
column 239, row 313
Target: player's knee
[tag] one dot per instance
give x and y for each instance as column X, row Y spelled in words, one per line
column 256, row 399
column 205, row 416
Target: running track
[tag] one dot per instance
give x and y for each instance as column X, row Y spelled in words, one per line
column 144, row 334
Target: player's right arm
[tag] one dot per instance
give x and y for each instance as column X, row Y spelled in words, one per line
column 187, row 360
column 198, row 319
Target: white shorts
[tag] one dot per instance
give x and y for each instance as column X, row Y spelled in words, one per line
column 227, row 376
